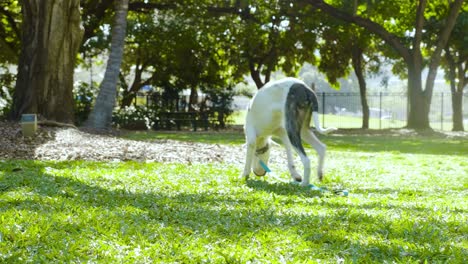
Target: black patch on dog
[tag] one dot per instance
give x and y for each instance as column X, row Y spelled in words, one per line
column 300, row 103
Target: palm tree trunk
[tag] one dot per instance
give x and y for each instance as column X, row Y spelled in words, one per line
column 101, row 115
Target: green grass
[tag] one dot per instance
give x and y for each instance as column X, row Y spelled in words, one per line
column 238, row 118
column 356, row 122
column 335, row 121
column 407, row 204
column 228, row 138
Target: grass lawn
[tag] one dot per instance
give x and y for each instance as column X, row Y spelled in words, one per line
column 228, row 138
column 341, row 121
column 407, row 203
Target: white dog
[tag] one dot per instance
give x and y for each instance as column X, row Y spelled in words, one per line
column 283, row 109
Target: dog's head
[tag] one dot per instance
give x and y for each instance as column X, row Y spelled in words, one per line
column 261, row 154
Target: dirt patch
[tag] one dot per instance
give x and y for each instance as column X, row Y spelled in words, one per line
column 53, row 143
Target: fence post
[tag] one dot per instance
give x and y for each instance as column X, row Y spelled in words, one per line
column 380, row 110
column 323, row 109
column 442, row 111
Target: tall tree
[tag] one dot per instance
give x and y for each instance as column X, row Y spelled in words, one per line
column 101, row 115
column 344, row 48
column 51, row 36
column 268, row 36
column 456, row 67
column 410, row 51
column 140, row 55
column 357, row 60
column 458, row 79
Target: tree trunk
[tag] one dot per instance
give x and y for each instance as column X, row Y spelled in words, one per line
column 130, row 93
column 255, row 74
column 50, row 42
column 419, row 102
column 127, row 98
column 193, row 98
column 101, row 115
column 418, row 112
column 457, row 96
column 126, row 92
column 456, row 89
column 357, row 65
column 457, row 108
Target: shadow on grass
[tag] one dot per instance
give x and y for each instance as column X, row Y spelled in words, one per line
column 197, row 214
column 282, row 188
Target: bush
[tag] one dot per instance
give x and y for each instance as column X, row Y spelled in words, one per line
column 7, row 80
column 5, row 101
column 133, row 117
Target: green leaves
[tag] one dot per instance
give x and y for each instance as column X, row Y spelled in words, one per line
column 10, row 24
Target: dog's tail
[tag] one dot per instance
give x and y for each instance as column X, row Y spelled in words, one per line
column 314, row 103
column 318, row 127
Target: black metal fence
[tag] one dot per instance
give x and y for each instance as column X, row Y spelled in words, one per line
column 387, row 110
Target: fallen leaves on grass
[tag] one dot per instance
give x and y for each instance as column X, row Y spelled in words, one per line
column 52, row 143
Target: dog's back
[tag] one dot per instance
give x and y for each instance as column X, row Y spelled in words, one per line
column 274, row 102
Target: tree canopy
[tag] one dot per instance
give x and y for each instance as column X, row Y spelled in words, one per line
column 10, row 32
column 401, row 25
column 211, row 44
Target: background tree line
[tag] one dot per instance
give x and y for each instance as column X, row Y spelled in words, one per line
column 212, row 44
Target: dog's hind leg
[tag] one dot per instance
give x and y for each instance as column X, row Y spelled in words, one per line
column 312, row 140
column 292, row 169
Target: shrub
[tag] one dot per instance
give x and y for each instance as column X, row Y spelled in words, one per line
column 133, row 117
column 7, row 80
